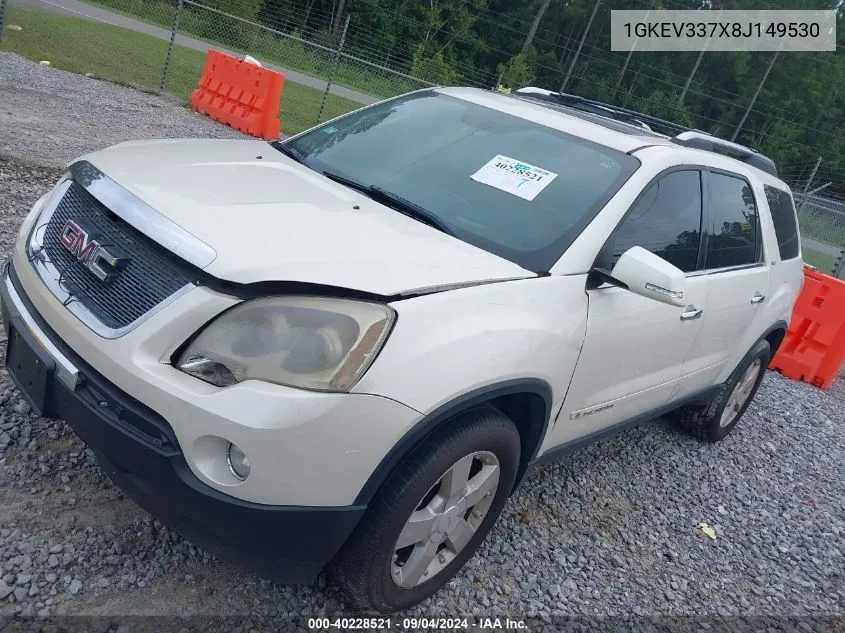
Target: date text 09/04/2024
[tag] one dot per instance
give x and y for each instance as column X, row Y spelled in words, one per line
column 446, row 624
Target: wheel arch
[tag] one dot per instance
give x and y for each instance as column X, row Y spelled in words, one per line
column 775, row 335
column 526, row 401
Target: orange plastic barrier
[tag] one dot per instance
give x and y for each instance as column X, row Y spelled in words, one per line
column 241, row 95
column 814, row 346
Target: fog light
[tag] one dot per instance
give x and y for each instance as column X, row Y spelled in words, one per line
column 238, row 463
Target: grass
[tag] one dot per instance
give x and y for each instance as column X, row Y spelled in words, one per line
column 264, row 44
column 823, row 261
column 134, row 59
column 822, row 226
column 156, row 12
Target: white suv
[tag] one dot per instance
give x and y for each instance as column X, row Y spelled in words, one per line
column 351, row 346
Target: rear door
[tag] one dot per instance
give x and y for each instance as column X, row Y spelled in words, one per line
column 635, row 347
column 736, row 278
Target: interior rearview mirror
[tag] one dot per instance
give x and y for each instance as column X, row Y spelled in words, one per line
column 644, row 273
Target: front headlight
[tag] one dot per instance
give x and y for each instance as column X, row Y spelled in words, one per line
column 310, row 342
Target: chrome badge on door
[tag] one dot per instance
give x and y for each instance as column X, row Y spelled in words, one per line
column 585, row 412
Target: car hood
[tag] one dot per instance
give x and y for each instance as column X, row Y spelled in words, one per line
column 268, row 218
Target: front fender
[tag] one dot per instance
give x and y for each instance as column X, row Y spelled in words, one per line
column 448, row 344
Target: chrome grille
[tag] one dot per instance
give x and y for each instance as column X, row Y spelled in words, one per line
column 148, row 279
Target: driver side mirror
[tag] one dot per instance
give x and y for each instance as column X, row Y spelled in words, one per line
column 644, row 273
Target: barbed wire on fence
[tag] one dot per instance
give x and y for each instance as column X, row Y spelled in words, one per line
column 374, row 64
column 366, row 48
column 326, row 49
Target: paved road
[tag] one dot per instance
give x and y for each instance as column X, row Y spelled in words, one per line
column 820, row 247
column 90, row 12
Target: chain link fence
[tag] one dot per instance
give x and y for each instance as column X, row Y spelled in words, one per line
column 331, row 68
column 86, row 39
column 819, row 195
column 822, row 222
column 321, row 56
column 160, row 46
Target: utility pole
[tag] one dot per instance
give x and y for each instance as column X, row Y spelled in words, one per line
column 3, row 4
column 691, row 74
column 341, row 7
column 535, row 24
column 336, row 63
column 839, row 270
column 624, row 68
column 628, row 59
column 173, row 32
column 804, row 193
column 756, row 94
column 580, row 44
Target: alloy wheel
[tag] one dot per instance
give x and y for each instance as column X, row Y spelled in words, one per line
column 739, row 395
column 446, row 519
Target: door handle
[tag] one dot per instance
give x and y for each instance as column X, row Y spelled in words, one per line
column 757, row 298
column 691, row 313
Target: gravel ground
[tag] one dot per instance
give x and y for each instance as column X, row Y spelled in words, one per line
column 50, row 116
column 610, row 530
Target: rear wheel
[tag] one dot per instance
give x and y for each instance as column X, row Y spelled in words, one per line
column 432, row 513
column 716, row 419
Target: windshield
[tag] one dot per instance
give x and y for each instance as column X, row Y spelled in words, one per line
column 515, row 188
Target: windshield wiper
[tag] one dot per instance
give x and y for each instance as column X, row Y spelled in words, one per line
column 394, row 201
column 290, row 152
column 352, row 184
column 410, row 209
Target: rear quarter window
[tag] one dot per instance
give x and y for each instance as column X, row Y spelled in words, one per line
column 783, row 217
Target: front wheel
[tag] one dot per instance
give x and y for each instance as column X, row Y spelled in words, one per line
column 432, row 513
column 713, row 421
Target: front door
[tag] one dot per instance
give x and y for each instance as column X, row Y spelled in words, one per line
column 634, row 349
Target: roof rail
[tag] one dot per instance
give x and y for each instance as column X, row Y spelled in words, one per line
column 701, row 140
column 586, row 105
column 602, row 109
column 679, row 134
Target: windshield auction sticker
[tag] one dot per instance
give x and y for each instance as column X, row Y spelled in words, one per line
column 514, row 177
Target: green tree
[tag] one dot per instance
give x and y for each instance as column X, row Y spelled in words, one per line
column 434, row 69
column 799, row 114
column 246, row 9
column 517, row 72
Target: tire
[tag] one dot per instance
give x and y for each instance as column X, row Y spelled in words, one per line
column 711, row 422
column 379, row 577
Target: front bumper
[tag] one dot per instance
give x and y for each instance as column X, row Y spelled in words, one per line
column 305, row 448
column 141, row 453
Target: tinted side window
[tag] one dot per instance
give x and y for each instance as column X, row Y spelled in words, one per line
column 733, row 223
column 666, row 221
column 783, row 217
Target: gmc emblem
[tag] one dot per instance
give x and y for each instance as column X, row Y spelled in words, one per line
column 103, row 263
